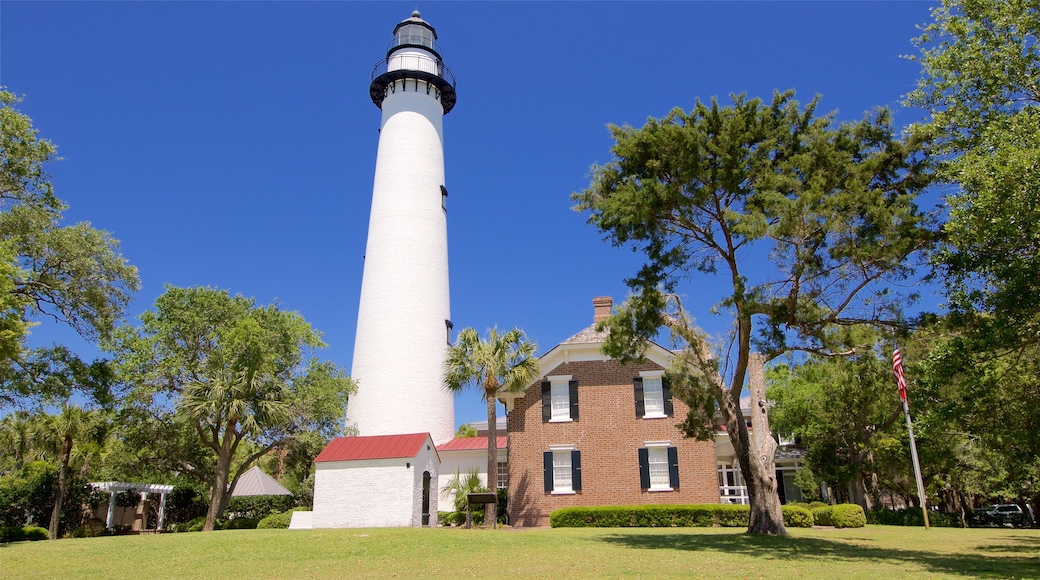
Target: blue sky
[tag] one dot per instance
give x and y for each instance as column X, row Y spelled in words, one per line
column 233, row 144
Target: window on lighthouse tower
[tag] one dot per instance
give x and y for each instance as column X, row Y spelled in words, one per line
column 415, row 34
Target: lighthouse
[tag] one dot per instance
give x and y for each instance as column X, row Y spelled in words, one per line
column 404, row 318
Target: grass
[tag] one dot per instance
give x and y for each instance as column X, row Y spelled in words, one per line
column 871, row 552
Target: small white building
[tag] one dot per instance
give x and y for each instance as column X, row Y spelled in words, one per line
column 352, row 475
column 464, row 454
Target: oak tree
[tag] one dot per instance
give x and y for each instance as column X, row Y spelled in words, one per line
column 807, row 222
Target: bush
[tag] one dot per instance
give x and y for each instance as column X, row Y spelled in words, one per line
column 194, row 525
column 913, row 517
column 846, row 515
column 91, row 528
column 259, row 506
column 240, row 524
column 10, row 534
column 36, row 533
column 796, row 516
column 652, row 516
column 276, row 521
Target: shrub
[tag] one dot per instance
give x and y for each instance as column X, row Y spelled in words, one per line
column 276, row 521
column 10, row 534
column 91, row 528
column 796, row 516
column 259, row 506
column 240, row 524
column 846, row 515
column 817, row 504
column 194, row 525
column 913, row 517
column 651, row 516
column 35, row 533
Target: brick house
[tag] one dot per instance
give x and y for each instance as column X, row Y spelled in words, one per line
column 593, row 431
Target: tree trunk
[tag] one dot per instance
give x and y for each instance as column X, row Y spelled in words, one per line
column 756, row 455
column 217, row 496
column 857, row 487
column 63, row 467
column 491, row 510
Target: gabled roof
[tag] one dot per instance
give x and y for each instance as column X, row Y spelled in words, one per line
column 471, row 443
column 373, row 447
column 256, row 482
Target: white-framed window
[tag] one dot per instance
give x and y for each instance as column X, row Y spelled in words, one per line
column 559, row 399
column 659, row 466
column 562, row 469
column 653, row 397
column 658, row 459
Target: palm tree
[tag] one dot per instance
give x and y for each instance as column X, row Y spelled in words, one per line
column 501, row 362
column 459, row 486
column 62, row 430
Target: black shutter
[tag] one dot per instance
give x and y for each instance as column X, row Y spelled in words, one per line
column 546, row 401
column 673, row 468
column 573, row 386
column 644, row 468
column 576, row 470
column 666, row 392
column 637, row 387
column 547, row 463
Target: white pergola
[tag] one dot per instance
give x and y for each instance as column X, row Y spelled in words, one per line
column 114, row 487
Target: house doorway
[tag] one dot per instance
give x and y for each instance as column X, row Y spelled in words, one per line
column 426, row 498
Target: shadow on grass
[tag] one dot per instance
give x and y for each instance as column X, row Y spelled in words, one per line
column 976, row 564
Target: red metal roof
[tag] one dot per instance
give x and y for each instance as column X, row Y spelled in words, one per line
column 471, row 443
column 373, row 447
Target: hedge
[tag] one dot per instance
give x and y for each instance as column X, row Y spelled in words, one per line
column 913, row 517
column 279, row 521
column 845, row 515
column 10, row 534
column 667, row 516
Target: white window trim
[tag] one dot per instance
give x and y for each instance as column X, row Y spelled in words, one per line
column 659, row 445
column 554, row 449
column 653, row 375
column 566, row 381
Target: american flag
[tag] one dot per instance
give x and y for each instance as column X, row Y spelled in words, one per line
column 897, row 368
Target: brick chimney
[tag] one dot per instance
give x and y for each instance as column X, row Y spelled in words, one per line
column 602, row 306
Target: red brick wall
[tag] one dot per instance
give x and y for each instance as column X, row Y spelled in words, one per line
column 609, row 435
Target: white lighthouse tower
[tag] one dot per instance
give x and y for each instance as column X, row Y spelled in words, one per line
column 403, row 326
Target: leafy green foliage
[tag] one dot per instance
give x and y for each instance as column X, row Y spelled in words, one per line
column 980, row 64
column 71, row 273
column 499, row 362
column 276, row 521
column 830, row 206
column 34, row 533
column 843, row 410
column 666, row 516
column 216, row 374
column 466, row 430
column 461, row 484
column 845, row 515
column 913, row 517
column 260, row 506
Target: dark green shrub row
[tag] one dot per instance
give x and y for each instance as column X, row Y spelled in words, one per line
column 666, row 516
column 845, row 515
column 240, row 524
column 259, row 506
column 913, row 517
column 279, row 521
column 10, row 534
column 192, row 525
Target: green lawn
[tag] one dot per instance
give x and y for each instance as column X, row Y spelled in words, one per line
column 871, row 552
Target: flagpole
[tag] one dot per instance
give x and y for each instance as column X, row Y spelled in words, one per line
column 897, row 368
column 917, row 464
